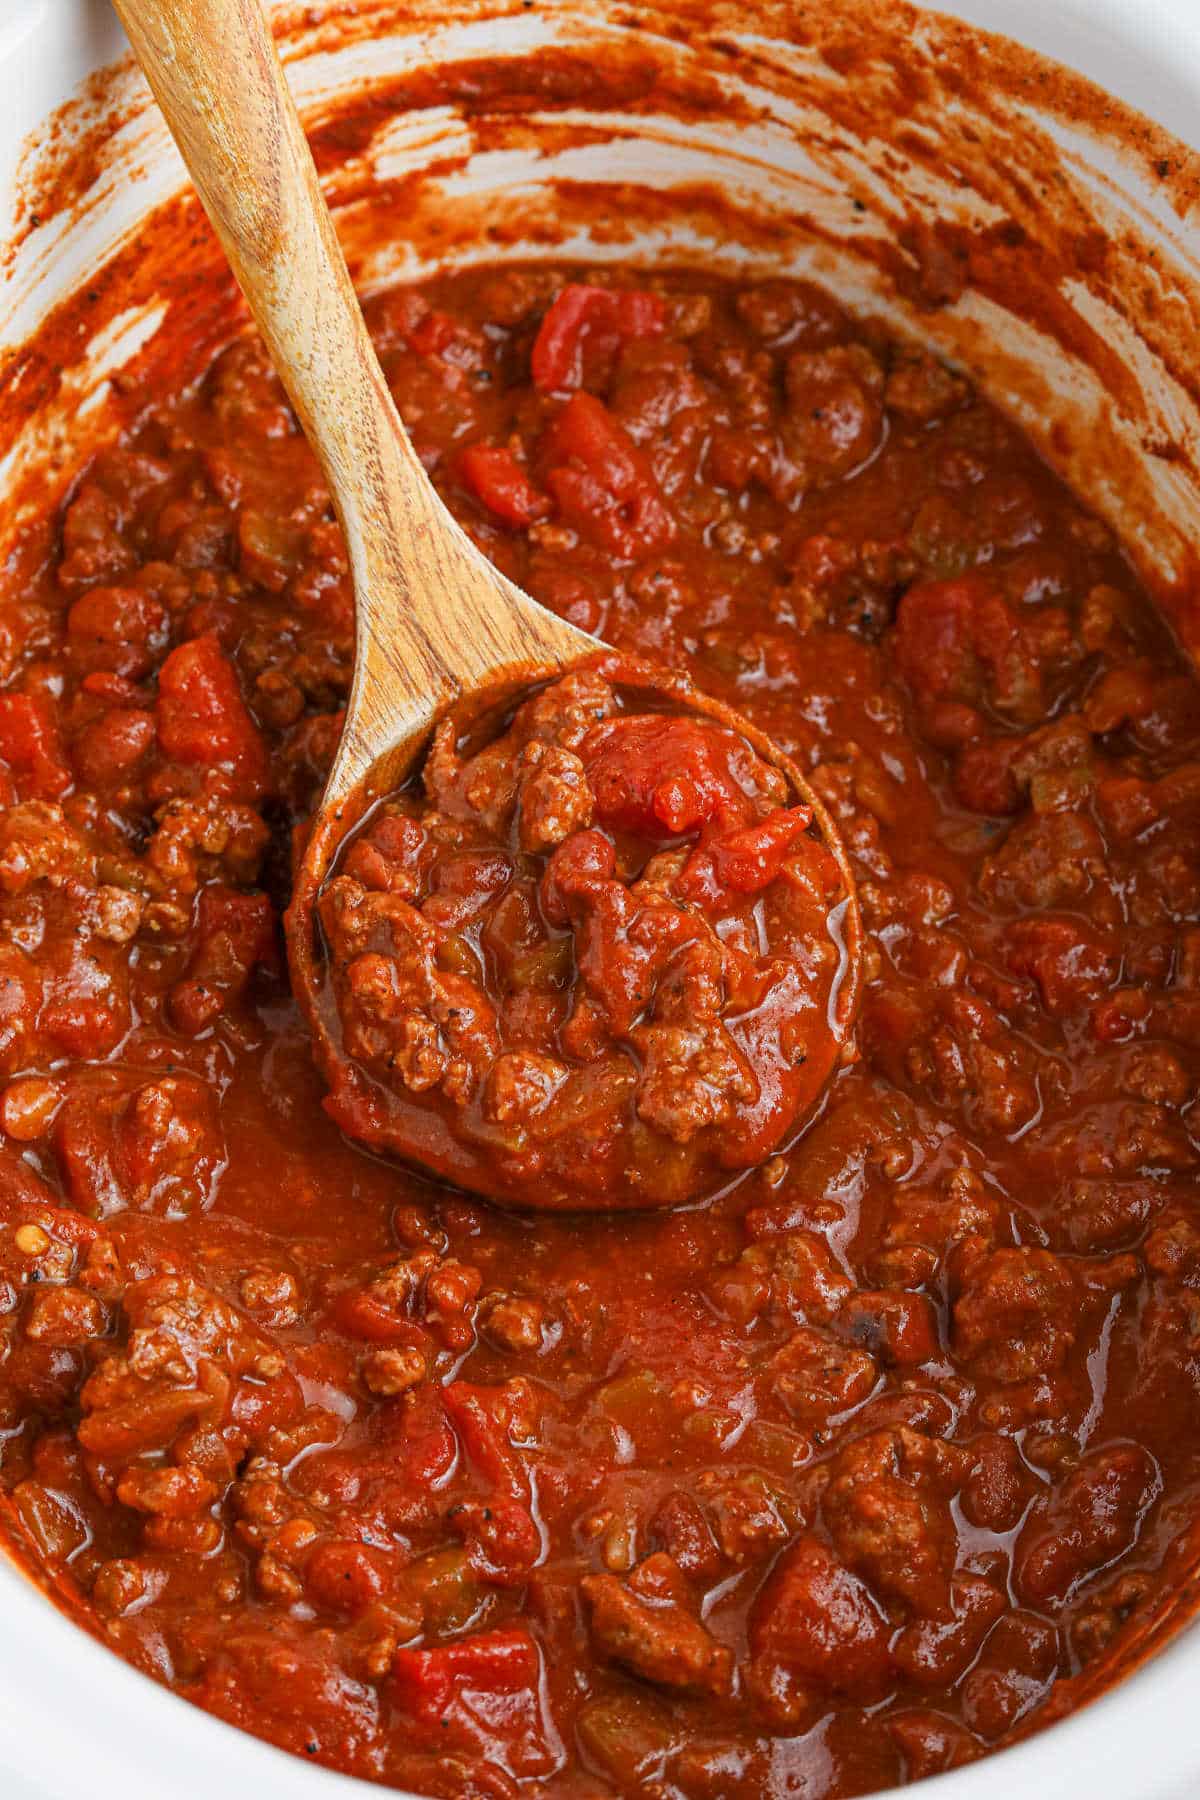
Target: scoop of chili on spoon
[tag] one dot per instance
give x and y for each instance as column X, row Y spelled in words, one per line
column 603, row 948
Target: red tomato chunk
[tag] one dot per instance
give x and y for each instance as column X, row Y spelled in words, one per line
column 603, row 485
column 495, row 477
column 466, row 1693
column 587, row 319
column 202, row 718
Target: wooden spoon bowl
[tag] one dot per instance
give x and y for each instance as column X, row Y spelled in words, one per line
column 584, row 1168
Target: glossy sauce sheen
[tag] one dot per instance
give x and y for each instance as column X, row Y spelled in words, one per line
column 820, row 1487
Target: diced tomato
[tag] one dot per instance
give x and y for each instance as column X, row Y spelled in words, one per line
column 933, row 632
column 1066, row 959
column 28, row 1201
column 663, row 776
column 679, row 804
column 425, row 1682
column 30, row 745
column 960, row 640
column 483, row 1693
column 603, row 484
column 502, row 1539
column 746, row 860
column 266, row 1404
column 482, row 1416
column 236, row 935
column 816, row 1623
column 202, row 717
column 750, row 859
column 584, row 317
column 426, row 1449
column 247, row 920
column 495, row 477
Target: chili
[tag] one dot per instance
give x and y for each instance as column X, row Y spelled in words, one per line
column 836, row 1480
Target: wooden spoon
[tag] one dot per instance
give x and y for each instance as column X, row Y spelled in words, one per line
column 433, row 617
column 436, row 624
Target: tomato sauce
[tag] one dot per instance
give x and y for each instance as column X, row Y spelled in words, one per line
column 843, row 1477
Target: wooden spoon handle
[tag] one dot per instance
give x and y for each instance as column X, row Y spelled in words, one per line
column 432, row 615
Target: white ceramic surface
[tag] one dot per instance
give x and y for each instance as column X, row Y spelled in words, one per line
column 74, row 1720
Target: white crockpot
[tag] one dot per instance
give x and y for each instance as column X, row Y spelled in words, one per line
column 74, row 1720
